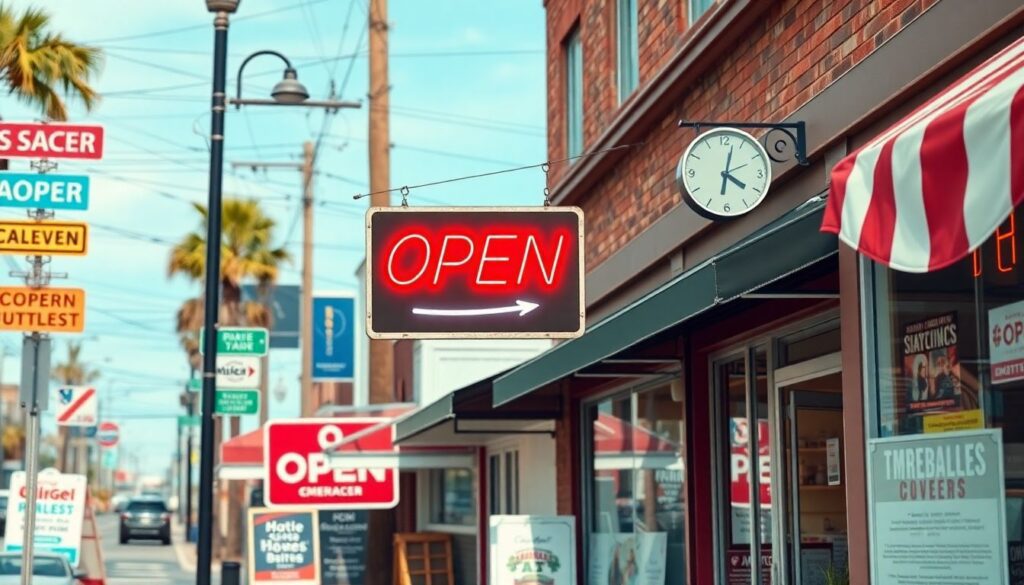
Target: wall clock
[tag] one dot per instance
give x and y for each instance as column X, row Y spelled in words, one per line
column 724, row 173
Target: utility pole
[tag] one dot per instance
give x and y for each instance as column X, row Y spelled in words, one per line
column 380, row 523
column 307, row 167
column 382, row 359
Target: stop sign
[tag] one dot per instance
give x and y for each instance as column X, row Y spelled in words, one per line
column 298, row 472
column 108, row 434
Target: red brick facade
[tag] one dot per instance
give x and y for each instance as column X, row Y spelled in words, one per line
column 791, row 52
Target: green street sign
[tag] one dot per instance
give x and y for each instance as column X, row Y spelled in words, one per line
column 239, row 341
column 188, row 421
column 235, row 402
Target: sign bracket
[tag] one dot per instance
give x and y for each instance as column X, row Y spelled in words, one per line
column 794, row 135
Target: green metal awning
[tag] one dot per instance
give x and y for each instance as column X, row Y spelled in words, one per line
column 466, row 417
column 784, row 246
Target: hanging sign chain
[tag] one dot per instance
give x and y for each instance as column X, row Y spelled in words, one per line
column 547, row 192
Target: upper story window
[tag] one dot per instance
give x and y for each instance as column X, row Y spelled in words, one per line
column 574, row 93
column 628, row 48
column 698, row 8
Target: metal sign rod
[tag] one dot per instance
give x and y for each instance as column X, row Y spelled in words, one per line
column 32, row 468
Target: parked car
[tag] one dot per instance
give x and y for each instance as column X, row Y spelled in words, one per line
column 146, row 518
column 47, row 569
column 3, row 511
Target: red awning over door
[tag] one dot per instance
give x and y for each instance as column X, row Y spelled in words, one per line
column 935, row 186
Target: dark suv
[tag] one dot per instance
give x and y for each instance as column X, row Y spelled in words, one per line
column 146, row 518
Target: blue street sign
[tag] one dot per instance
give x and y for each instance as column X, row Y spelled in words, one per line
column 333, row 338
column 65, row 192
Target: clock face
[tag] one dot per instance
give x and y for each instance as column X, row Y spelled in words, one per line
column 724, row 173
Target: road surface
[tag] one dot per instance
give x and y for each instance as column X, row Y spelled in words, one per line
column 139, row 562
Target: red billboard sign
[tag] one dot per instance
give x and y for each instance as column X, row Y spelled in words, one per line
column 474, row 272
column 298, row 472
column 25, row 140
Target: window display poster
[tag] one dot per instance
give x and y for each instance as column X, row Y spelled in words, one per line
column 738, row 567
column 533, row 550
column 283, row 547
column 931, row 364
column 1006, row 346
column 739, row 479
column 625, row 558
column 343, row 546
column 938, row 512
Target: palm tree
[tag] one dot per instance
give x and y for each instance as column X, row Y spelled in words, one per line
column 39, row 64
column 246, row 254
column 72, row 372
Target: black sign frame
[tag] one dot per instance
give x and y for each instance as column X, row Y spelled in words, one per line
column 562, row 316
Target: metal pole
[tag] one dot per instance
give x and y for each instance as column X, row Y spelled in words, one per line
column 212, row 300
column 188, row 470
column 32, row 471
column 306, row 327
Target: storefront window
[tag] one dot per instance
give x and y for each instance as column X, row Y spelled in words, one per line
column 746, row 462
column 452, row 497
column 637, row 516
column 949, row 356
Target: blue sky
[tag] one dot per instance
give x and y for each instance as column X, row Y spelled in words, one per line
column 468, row 96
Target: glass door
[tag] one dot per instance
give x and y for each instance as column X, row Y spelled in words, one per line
column 812, row 435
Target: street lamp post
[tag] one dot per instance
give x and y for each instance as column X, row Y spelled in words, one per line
column 287, row 92
column 221, row 8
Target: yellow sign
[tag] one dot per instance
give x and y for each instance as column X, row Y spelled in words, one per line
column 44, row 238
column 53, row 310
column 954, row 421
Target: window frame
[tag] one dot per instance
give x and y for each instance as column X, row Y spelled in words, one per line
column 627, row 77
column 426, row 516
column 572, row 48
column 585, row 437
column 503, row 481
column 693, row 14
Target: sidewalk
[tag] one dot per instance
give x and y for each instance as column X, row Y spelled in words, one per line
column 186, row 552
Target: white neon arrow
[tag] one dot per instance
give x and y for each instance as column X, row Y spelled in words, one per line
column 521, row 307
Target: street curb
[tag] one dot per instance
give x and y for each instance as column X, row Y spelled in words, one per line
column 183, row 549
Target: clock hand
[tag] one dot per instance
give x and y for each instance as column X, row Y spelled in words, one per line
column 738, row 168
column 738, row 182
column 725, row 173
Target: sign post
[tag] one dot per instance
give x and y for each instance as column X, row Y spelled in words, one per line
column 37, row 310
column 463, row 272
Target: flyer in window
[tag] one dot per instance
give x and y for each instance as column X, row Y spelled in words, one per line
column 1006, row 348
column 932, row 366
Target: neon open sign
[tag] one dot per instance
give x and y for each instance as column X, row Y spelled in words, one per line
column 475, row 271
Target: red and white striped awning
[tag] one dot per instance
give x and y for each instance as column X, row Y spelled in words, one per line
column 934, row 187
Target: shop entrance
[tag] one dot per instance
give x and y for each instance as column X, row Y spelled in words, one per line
column 782, row 512
column 812, row 486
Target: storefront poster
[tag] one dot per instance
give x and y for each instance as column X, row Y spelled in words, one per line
column 283, row 547
column 739, row 479
column 626, row 558
column 931, row 364
column 60, row 509
column 938, row 511
column 738, row 566
column 1006, row 346
column 343, row 547
column 532, row 550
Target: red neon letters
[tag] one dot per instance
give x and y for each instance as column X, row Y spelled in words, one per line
column 503, row 259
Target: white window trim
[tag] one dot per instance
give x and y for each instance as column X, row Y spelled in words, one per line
column 423, row 511
column 500, row 450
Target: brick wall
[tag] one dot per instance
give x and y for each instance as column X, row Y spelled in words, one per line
column 796, row 49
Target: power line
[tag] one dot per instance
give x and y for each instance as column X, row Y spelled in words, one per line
column 180, row 29
column 545, row 165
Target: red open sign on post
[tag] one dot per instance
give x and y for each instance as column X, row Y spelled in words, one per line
column 27, row 140
column 474, row 272
column 298, row 473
